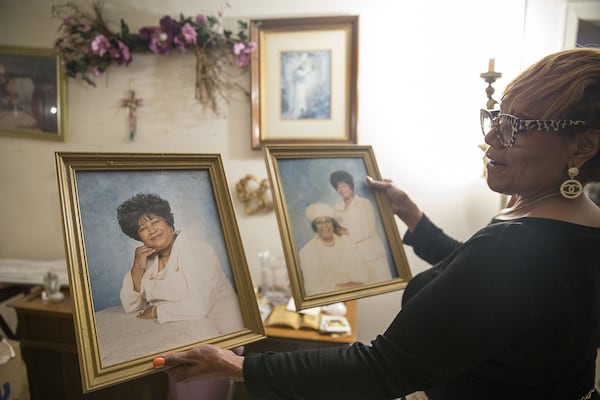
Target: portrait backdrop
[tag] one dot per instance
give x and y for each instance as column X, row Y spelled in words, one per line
column 109, row 251
column 306, row 181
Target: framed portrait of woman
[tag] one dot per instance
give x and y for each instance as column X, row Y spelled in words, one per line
column 340, row 239
column 154, row 258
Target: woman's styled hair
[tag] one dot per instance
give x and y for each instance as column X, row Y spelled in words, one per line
column 131, row 210
column 341, row 176
column 563, row 85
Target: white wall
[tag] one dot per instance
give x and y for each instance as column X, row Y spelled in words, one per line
column 419, row 97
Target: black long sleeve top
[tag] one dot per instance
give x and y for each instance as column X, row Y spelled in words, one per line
column 512, row 313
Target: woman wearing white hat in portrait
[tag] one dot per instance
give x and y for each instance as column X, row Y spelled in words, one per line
column 329, row 261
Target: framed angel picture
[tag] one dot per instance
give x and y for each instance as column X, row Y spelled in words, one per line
column 304, row 78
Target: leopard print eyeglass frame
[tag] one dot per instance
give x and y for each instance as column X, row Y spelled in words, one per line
column 507, row 126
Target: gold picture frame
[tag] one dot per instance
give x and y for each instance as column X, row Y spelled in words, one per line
column 304, row 80
column 305, row 184
column 114, row 345
column 32, row 93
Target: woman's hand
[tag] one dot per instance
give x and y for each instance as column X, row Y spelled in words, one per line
column 202, row 362
column 401, row 204
column 343, row 231
column 148, row 313
column 139, row 263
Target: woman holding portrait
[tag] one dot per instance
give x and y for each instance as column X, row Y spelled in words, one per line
column 513, row 312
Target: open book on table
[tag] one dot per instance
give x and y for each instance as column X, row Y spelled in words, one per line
column 282, row 316
column 314, row 319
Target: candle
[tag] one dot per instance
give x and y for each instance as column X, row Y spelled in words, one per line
column 491, row 64
column 131, row 85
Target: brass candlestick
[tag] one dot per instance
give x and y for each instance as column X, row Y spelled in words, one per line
column 490, row 77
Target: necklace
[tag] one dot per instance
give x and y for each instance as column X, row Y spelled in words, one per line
column 329, row 243
column 528, row 204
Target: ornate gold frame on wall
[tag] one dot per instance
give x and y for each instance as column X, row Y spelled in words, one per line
column 335, row 35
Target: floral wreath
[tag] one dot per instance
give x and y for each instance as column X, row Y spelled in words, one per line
column 88, row 48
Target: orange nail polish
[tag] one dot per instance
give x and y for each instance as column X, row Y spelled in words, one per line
column 158, row 362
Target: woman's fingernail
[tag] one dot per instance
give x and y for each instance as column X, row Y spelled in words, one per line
column 158, row 362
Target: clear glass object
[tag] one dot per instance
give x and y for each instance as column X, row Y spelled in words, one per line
column 52, row 288
column 274, row 280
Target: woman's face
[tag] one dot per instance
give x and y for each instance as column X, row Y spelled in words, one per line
column 155, row 232
column 344, row 190
column 536, row 164
column 324, row 228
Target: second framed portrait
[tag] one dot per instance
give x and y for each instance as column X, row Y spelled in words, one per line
column 339, row 238
column 155, row 260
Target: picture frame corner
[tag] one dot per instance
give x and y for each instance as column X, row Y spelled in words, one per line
column 33, row 93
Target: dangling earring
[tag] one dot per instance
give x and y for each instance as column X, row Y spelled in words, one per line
column 571, row 188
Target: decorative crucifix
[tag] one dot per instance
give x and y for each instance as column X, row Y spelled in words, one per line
column 132, row 104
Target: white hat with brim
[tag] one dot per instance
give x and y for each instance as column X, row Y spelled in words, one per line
column 319, row 210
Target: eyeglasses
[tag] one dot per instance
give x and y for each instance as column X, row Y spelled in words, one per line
column 507, row 126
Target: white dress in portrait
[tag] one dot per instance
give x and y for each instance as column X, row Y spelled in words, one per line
column 323, row 267
column 196, row 301
column 191, row 286
column 359, row 219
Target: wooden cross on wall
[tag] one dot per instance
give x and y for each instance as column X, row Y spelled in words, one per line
column 132, row 104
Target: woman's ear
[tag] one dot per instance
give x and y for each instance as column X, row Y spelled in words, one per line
column 587, row 146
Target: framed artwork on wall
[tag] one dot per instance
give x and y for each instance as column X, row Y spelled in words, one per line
column 32, row 93
column 154, row 259
column 304, row 80
column 578, row 14
column 339, row 238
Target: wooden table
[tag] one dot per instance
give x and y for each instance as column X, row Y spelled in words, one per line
column 47, row 338
column 46, row 334
column 309, row 336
